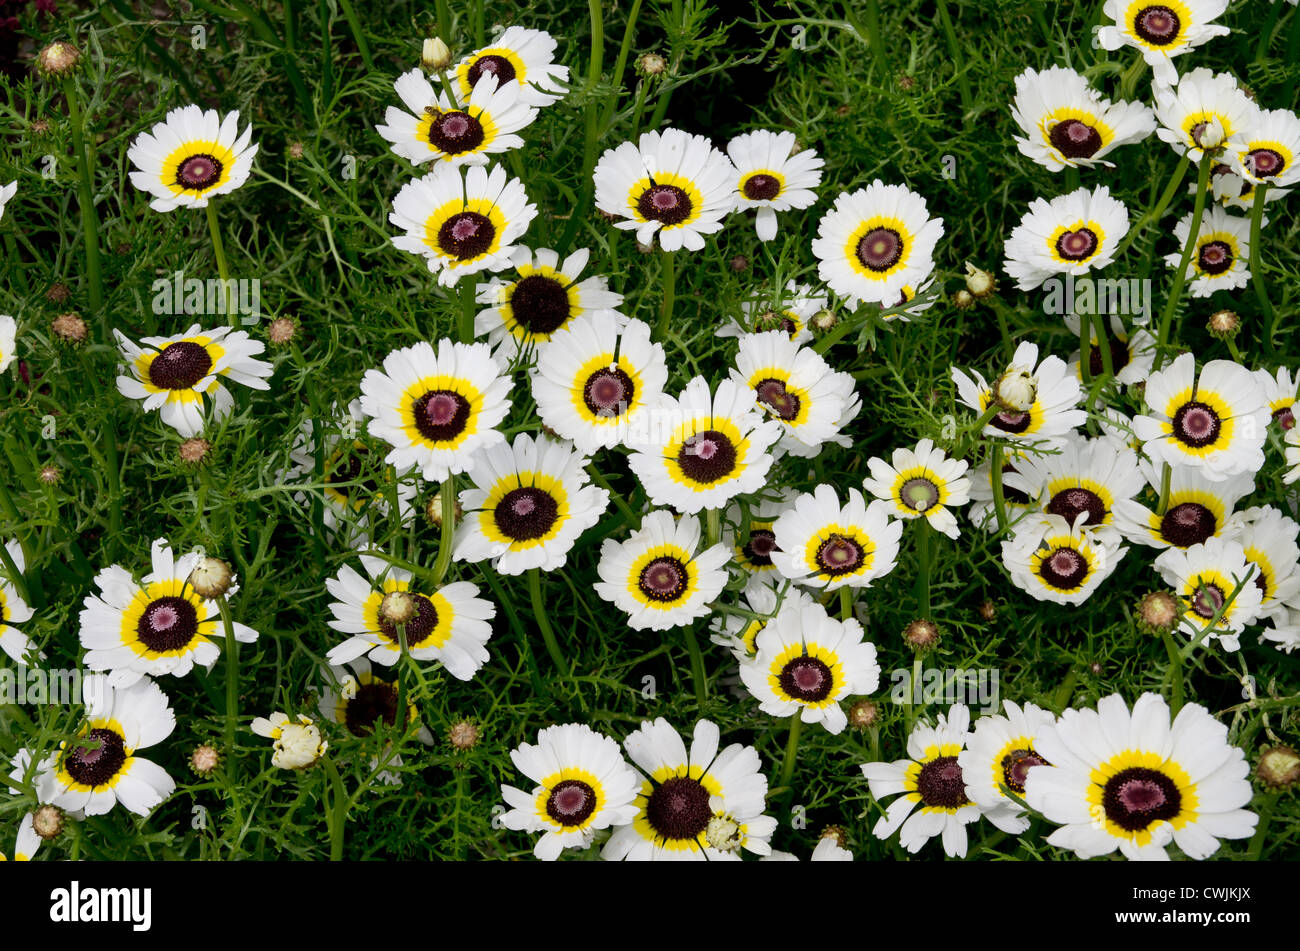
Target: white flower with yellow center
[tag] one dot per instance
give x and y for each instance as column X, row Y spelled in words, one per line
column 1160, row 31
column 600, row 381
column 1269, row 539
column 933, row 801
column 1221, row 258
column 1038, row 401
column 450, row 626
column 1202, row 112
column 790, row 310
column 822, row 544
column 807, row 663
column 100, row 768
column 1051, row 559
column 795, row 386
column 298, row 742
column 357, row 698
column 659, row 577
column 1280, row 394
column 671, row 183
column 1267, row 151
column 27, row 842
column 545, row 297
column 174, row 374
column 772, row 176
column 1071, row 234
column 8, row 335
column 1067, row 123
column 583, row 785
column 436, row 408
column 158, row 626
column 1197, row 508
column 13, row 609
column 751, row 539
column 461, row 132
column 520, row 56
column 1132, row 353
column 703, row 449
column 1136, row 782
column 1217, row 423
column 704, row 804
column 1000, row 753
column 190, row 157
column 876, row 241
column 529, row 503
column 1204, row 578
column 1087, row 477
column 462, row 219
column 921, row 483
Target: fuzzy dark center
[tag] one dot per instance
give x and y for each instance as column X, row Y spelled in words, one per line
column 1134, row 798
column 179, row 366
column 679, row 808
column 95, row 767
column 441, row 415
column 1188, row 524
column 762, row 187
column 1284, row 417
column 1196, row 424
column 940, row 784
column 1119, row 357
column 466, row 235
column 526, row 513
column 759, row 548
column 608, row 392
column 1016, row 765
column 667, row 204
column 571, row 802
column 540, row 304
column 774, row 395
column 664, row 579
column 1208, row 600
column 880, row 249
column 167, row 624
column 1064, row 569
column 1159, row 26
column 199, row 172
column 455, row 133
column 1077, row 245
column 494, row 65
column 1072, row 502
column 807, row 679
column 1010, row 421
column 919, row 494
column 707, row 457
column 419, row 627
column 839, row 555
column 1215, row 257
column 1265, row 163
column 373, row 701
column 1075, row 139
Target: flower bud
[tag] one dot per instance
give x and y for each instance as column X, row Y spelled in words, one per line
column 69, row 328
column 463, row 735
column 864, row 714
column 921, row 635
column 1223, row 324
column 1278, row 767
column 980, row 283
column 435, row 55
column 211, row 578
column 193, row 451
column 58, row 59
column 204, row 760
column 963, row 299
column 1157, row 613
column 398, row 607
column 651, row 64
column 824, row 319
column 281, row 330
column 1015, row 391
column 47, row 822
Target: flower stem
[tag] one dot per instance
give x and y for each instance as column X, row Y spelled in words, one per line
column 1176, row 673
column 1103, row 347
column 791, row 751
column 338, row 811
column 1155, row 213
column 923, row 566
column 232, row 681
column 668, row 277
column 620, row 64
column 1165, row 476
column 697, row 666
column 223, row 268
column 1261, row 830
column 591, row 138
column 466, row 329
column 712, row 526
column 1257, row 270
column 995, row 476
column 1180, row 277
column 86, row 200
column 846, row 603
column 954, row 50
column 447, row 496
column 544, row 622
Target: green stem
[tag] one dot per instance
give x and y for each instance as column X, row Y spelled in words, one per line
column 1265, row 817
column 791, row 751
column 1065, row 691
column 1176, row 673
column 712, row 526
column 223, row 268
column 447, row 495
column 620, row 64
column 232, row 681
column 1165, row 476
column 598, row 477
column 1256, row 268
column 1103, row 346
column 1085, row 350
column 954, row 50
column 995, row 476
column 1154, row 215
column 1180, row 277
column 697, row 666
column 467, row 306
column 355, row 25
column 339, row 809
column 86, row 201
column 923, row 566
column 1266, row 31
column 544, row 622
column 846, row 602
column 592, row 134
column 668, row 278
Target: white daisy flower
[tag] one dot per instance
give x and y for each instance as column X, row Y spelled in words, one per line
column 659, row 577
column 156, row 627
column 7, row 192
column 795, row 386
column 1132, row 354
column 522, row 56
column 1000, row 752
column 599, row 381
column 298, row 742
column 1217, row 423
column 1051, row 559
column 1038, row 400
column 790, row 311
column 1269, row 539
column 174, row 374
column 356, row 496
column 1203, row 111
column 545, row 298
column 529, row 503
column 826, row 850
column 1160, row 31
column 670, row 182
column 14, row 610
column 704, row 449
column 931, row 779
column 191, row 156
column 461, row 132
column 462, row 219
column 27, row 842
column 1285, row 633
column 1067, row 123
column 583, row 785
column 807, row 663
column 702, row 804
column 450, row 626
column 8, row 335
column 1198, row 507
column 1221, row 258
column 1071, row 234
column 825, row 545
column 772, row 176
column 752, row 539
column 876, row 241
column 1267, row 150
column 1203, row 577
column 1086, row 477
column 436, row 408
column 100, row 768
column 921, row 483
column 1280, row 394
column 1136, row 782
column 357, row 699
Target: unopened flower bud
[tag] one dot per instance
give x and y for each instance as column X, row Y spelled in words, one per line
column 824, row 319
column 57, row 59
column 398, row 607
column 1223, row 324
column 69, row 328
column 1157, row 612
column 739, row 263
column 987, row 610
column 435, row 55
column 47, row 822
column 864, row 714
column 295, row 150
column 963, row 299
column 921, row 635
column 651, row 64
column 58, row 293
column 463, row 735
column 836, row 833
column 1278, row 768
column 1015, row 391
column 204, row 760
column 980, row 283
column 49, row 475
column 281, row 330
column 193, row 451
column 211, row 578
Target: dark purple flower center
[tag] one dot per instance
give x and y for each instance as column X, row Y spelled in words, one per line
column 1016, row 766
column 1187, row 524
column 373, row 701
column 1136, row 797
column 608, row 392
column 839, row 555
column 571, row 802
column 167, row 624
column 1158, row 25
column 1196, row 424
column 95, row 767
column 199, row 172
column 494, row 65
column 526, row 513
column 419, row 627
column 1208, row 600
column 1265, row 163
column 1064, row 568
column 455, row 133
column 1070, row 503
column 940, row 784
column 880, row 249
column 707, row 457
column 667, row 204
column 678, row 808
column 1215, row 257
column 773, row 394
column 1077, row 245
column 441, row 415
column 762, row 187
column 664, row 579
column 179, row 366
column 807, row 679
column 466, row 235
column 1075, row 139
column 758, row 549
column 540, row 304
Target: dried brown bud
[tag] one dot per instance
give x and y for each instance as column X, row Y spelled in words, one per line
column 739, row 263
column 281, row 330
column 864, row 714
column 204, row 760
column 69, row 328
column 463, row 735
column 50, row 475
column 837, row 833
column 58, row 293
column 47, row 822
column 921, row 635
column 58, row 59
column 1223, row 324
column 987, row 610
column 963, row 299
column 193, row 451
column 1157, row 612
column 295, row 150
column 1278, row 768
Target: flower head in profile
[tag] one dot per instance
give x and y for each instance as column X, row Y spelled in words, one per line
column 298, row 742
column 190, row 157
